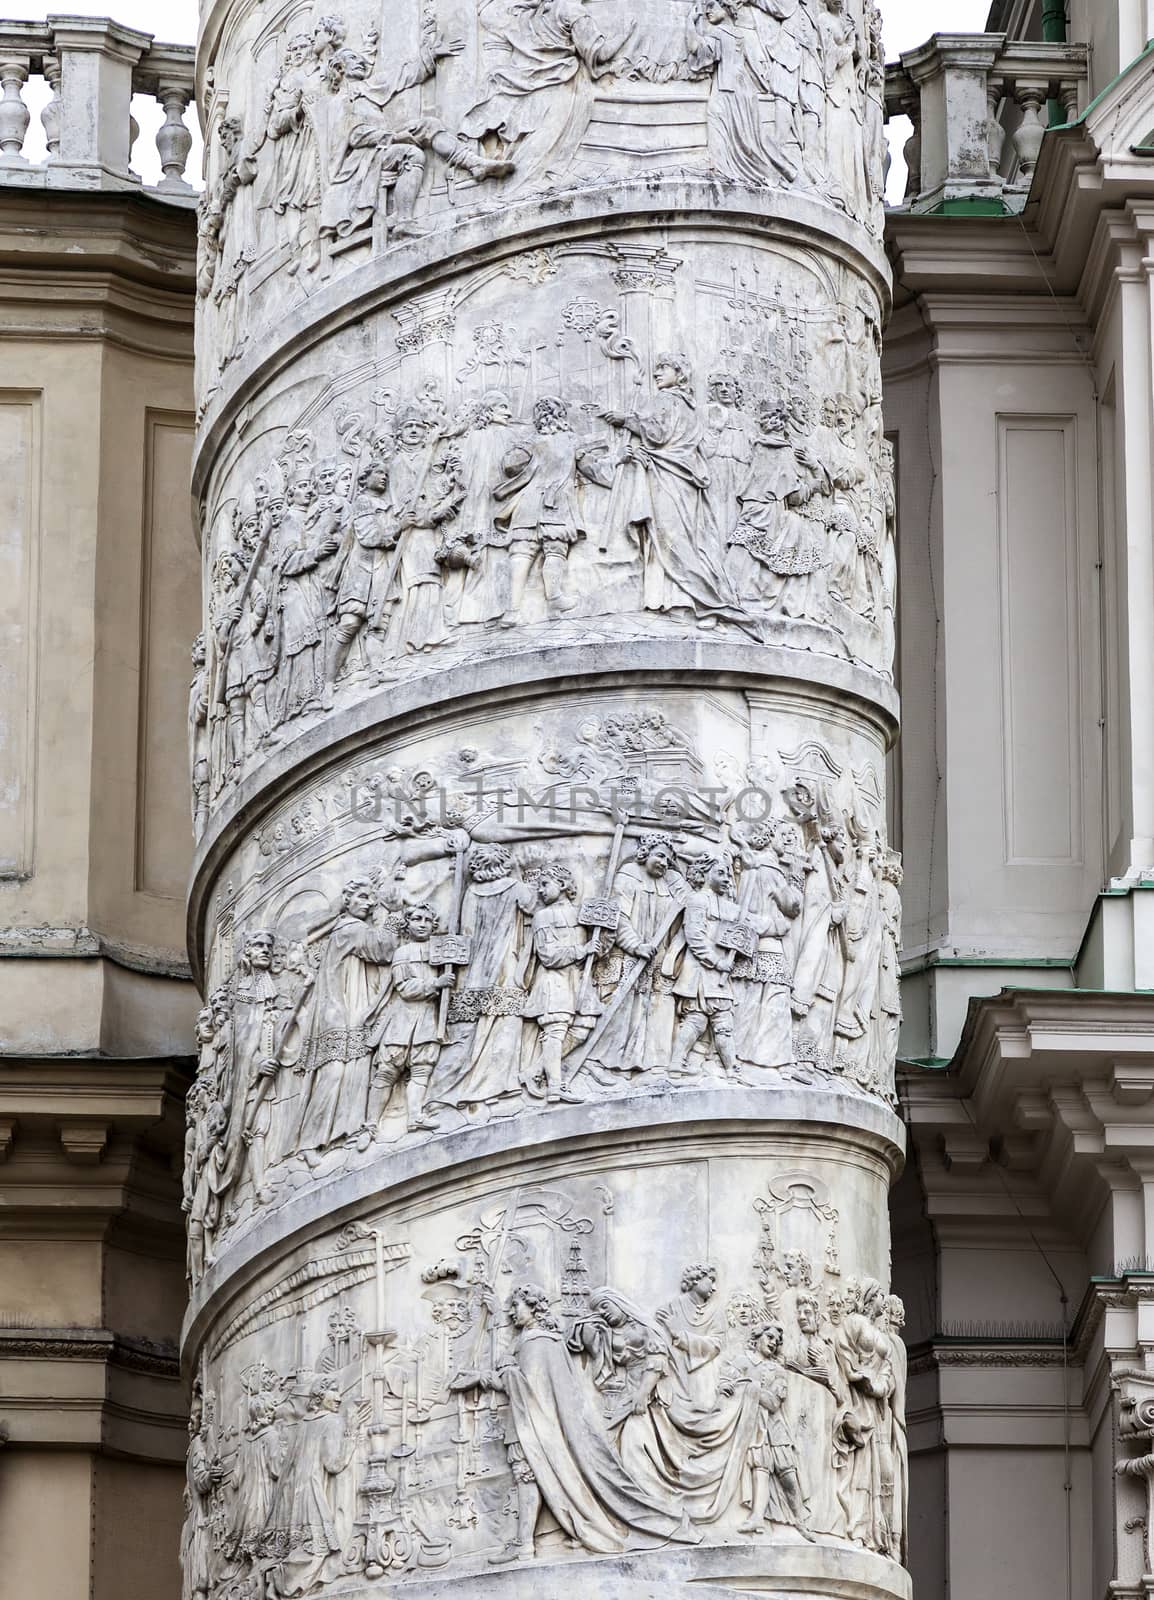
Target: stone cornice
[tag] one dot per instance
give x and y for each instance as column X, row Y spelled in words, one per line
column 109, row 268
column 1042, row 1114
column 971, row 327
column 86, row 1143
column 122, row 1394
column 82, row 944
column 129, row 234
column 993, row 1356
column 154, row 1358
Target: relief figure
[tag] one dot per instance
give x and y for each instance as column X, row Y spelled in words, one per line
column 540, row 98
column 559, row 1431
column 406, row 1038
column 651, row 893
column 307, row 1523
column 560, row 1000
column 661, row 500
column 704, row 983
column 729, row 54
column 334, row 1052
column 772, row 1488
column 481, row 1061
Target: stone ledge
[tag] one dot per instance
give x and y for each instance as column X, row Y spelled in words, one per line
column 827, row 1567
column 154, row 1358
column 514, row 1144
column 91, row 1388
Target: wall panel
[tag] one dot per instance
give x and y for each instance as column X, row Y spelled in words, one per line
column 20, row 535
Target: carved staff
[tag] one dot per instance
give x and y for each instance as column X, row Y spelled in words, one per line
column 398, row 554
column 469, row 1376
column 624, row 990
column 450, row 950
column 507, row 1222
column 601, row 914
column 222, row 654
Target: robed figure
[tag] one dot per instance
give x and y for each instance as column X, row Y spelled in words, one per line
column 661, row 498
column 481, row 1061
column 540, row 97
column 565, row 1444
column 335, row 1048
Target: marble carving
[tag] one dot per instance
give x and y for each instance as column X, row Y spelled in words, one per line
column 442, row 937
column 334, row 147
column 533, row 459
column 479, row 1390
column 547, row 917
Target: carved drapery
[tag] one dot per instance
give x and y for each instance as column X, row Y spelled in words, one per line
column 548, row 927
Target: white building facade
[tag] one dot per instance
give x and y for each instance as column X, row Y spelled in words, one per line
column 1018, row 395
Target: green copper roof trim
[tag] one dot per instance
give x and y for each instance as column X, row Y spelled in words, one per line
column 1102, row 93
column 969, row 208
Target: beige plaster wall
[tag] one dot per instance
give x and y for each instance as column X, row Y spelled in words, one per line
column 136, row 1516
column 45, row 1522
column 147, row 594
column 99, row 603
column 52, row 1283
column 99, row 612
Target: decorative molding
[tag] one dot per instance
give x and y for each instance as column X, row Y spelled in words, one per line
column 84, row 1142
column 152, row 1358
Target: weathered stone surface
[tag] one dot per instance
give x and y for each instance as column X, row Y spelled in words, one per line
column 537, row 1170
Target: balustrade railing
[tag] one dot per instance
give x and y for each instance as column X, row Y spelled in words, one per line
column 91, row 68
column 978, row 106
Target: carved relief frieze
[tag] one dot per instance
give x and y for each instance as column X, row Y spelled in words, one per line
column 582, row 908
column 528, row 467
column 545, row 910
column 336, row 146
column 506, row 1382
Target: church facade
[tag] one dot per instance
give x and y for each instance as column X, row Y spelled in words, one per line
column 575, row 999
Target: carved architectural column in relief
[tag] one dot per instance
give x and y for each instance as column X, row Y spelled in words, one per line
column 537, row 1161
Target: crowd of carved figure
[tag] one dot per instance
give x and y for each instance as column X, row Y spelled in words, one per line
column 347, row 149
column 432, row 530
column 463, row 978
column 525, row 1419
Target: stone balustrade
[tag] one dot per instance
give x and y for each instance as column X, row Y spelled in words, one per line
column 979, row 108
column 93, row 67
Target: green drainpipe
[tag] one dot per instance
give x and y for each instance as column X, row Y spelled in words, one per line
column 1054, row 27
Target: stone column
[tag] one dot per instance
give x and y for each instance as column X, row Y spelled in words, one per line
column 539, row 1152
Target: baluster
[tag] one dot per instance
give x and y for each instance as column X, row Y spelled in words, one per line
column 173, row 140
column 1069, row 97
column 53, row 111
column 1031, row 131
column 996, row 133
column 14, row 114
column 133, row 135
column 913, row 150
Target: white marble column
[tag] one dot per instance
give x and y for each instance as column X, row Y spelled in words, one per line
column 539, row 1153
